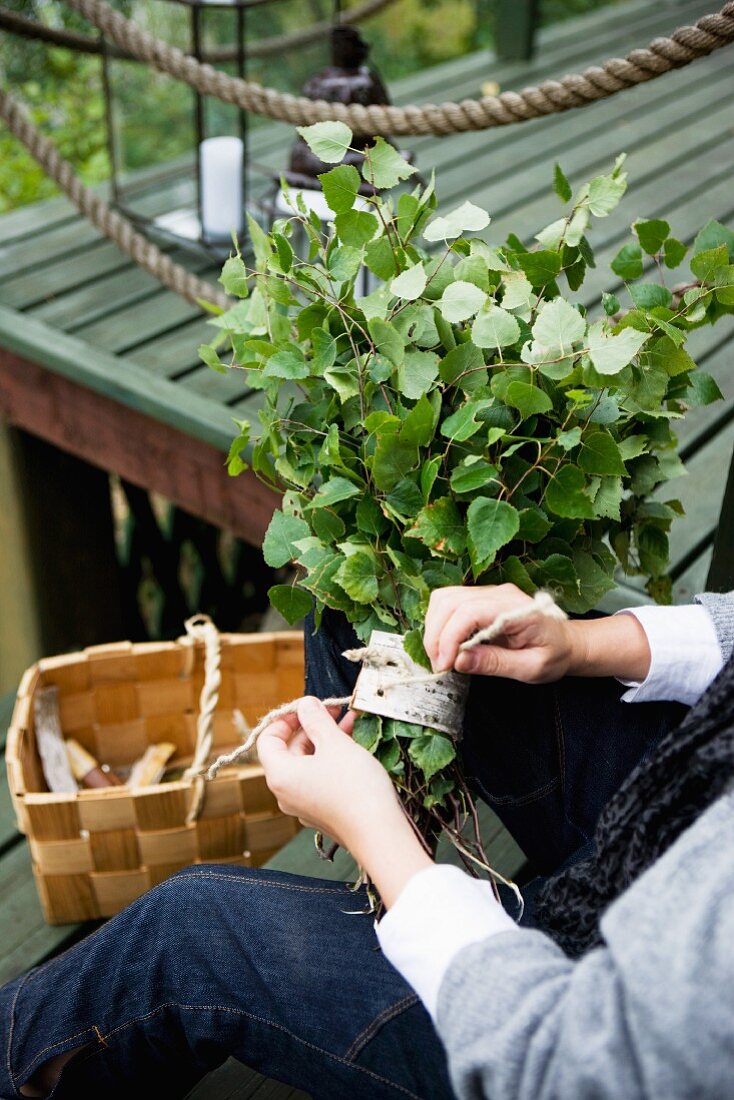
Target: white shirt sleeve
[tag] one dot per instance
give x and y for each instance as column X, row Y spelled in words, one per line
column 440, row 911
column 686, row 655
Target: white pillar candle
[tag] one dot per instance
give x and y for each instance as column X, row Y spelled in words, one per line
column 221, row 187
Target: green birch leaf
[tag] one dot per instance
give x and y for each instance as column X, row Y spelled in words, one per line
column 704, row 265
column 464, row 367
column 292, row 602
column 278, row 544
column 327, row 525
column 208, row 355
column 569, row 439
column 527, row 399
column 367, row 731
column 611, row 304
column 417, row 373
column 541, row 267
column 712, row 235
column 466, row 218
column 608, row 498
column 356, row 227
column 358, row 578
column 344, row 262
column 461, row 300
column 518, row 291
column 650, row 295
column 628, row 262
column 234, row 277
column 611, row 352
column 410, row 284
column 703, row 389
column 431, row 753
column 600, row 455
column 561, row 186
column 324, row 350
column 491, row 524
column 413, row 646
column 652, row 234
column 633, row 446
column 439, row 526
column 340, row 187
column 333, row 491
column 387, row 340
column 343, row 381
column 429, row 473
column 394, row 459
column 420, row 423
column 494, row 327
column 674, row 252
column 380, row 258
column 472, row 475
column 558, row 325
column 329, row 141
column 286, row 364
column 285, row 252
column 604, row 193
column 462, row 424
column 384, row 166
column 565, row 495
column 534, row 524
column 405, row 500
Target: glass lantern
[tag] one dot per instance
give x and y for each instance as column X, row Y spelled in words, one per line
column 179, row 160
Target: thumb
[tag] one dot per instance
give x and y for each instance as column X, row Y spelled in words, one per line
column 315, row 719
column 495, row 660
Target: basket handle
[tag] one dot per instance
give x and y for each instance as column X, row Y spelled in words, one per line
column 200, row 628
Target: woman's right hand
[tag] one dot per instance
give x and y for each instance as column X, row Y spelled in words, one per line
column 536, row 649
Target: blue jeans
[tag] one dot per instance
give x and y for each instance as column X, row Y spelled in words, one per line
column 279, row 970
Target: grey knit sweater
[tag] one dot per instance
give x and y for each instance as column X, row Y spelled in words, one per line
column 648, row 1015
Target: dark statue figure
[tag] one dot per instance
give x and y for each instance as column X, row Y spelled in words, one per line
column 347, row 80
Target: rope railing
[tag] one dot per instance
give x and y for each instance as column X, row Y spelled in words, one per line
column 662, row 55
column 108, row 221
column 24, row 27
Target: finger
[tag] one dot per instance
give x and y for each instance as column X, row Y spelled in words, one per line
column 347, row 722
column 275, row 738
column 442, row 604
column 465, row 621
column 494, row 660
column 315, row 719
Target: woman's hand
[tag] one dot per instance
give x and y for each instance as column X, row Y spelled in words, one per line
column 536, row 649
column 321, row 776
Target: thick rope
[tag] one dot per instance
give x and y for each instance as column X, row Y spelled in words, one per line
column 542, row 603
column 685, row 45
column 100, row 213
column 200, row 628
column 55, row 36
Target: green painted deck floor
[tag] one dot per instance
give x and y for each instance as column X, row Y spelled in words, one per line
column 72, row 303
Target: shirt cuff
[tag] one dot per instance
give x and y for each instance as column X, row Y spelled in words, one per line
column 686, row 656
column 439, row 912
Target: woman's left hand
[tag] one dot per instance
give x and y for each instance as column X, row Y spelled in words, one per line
column 321, row 776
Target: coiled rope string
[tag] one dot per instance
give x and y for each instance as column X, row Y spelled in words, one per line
column 683, row 46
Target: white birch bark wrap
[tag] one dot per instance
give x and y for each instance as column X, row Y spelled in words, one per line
column 383, row 688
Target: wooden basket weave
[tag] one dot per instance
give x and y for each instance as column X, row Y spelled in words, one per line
column 95, row 851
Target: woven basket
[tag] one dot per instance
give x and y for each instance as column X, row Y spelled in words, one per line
column 95, row 851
